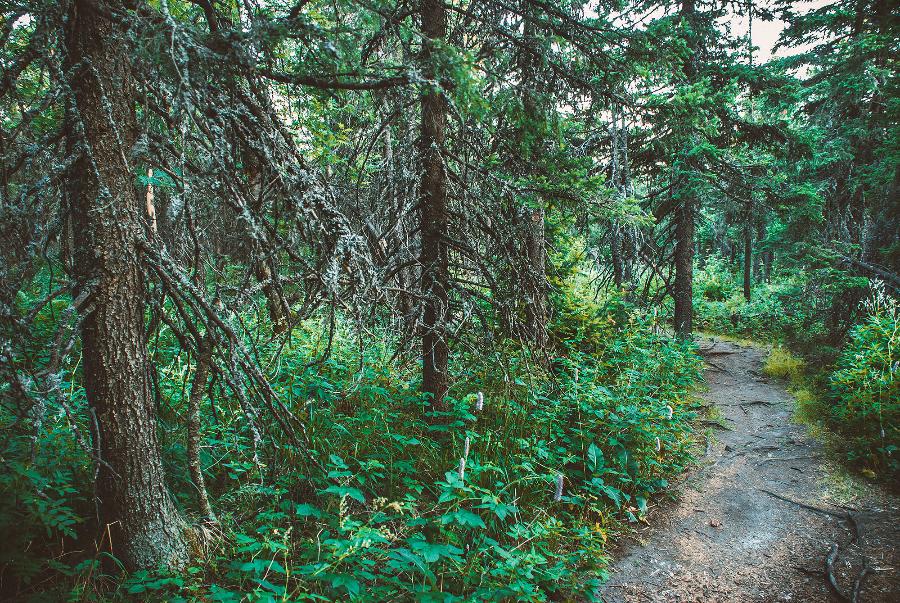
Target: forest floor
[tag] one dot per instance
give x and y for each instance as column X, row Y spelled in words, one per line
column 760, row 516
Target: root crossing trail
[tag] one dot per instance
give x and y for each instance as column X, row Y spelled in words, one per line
column 758, row 519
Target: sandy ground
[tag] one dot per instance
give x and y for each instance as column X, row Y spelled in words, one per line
column 729, row 537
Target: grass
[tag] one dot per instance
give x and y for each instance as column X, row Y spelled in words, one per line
column 781, row 364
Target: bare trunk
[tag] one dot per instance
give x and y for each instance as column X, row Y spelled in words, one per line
column 139, row 522
column 615, row 247
column 748, row 259
column 536, row 308
column 193, row 433
column 434, row 216
column 684, row 267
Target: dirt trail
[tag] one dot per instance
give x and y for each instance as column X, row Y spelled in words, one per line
column 729, row 537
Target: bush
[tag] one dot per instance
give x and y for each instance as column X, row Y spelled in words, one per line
column 865, row 389
column 564, row 453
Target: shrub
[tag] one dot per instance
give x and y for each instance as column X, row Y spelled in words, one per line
column 377, row 507
column 865, row 389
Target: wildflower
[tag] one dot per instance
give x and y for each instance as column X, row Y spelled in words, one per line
column 658, row 445
column 479, row 402
column 557, row 496
column 669, row 412
column 466, row 447
column 462, row 469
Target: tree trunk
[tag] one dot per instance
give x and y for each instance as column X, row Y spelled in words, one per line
column 433, row 215
column 615, row 248
column 748, row 260
column 684, row 227
column 536, row 308
column 684, row 267
column 193, row 432
column 261, row 269
column 139, row 522
column 535, row 245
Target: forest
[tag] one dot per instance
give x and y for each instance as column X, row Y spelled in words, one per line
column 439, row 300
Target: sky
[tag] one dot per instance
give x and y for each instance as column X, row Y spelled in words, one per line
column 765, row 33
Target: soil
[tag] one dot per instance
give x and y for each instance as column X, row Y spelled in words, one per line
column 763, row 511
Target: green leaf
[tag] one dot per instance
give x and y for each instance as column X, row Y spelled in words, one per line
column 354, row 493
column 306, row 510
column 463, row 518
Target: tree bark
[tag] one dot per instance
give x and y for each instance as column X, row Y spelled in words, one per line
column 748, row 260
column 615, row 248
column 535, row 244
column 536, row 308
column 195, row 398
column 138, row 519
column 261, row 269
column 434, row 217
column 684, row 226
column 684, row 267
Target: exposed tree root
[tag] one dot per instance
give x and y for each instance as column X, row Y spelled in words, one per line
column 829, row 572
column 857, row 586
column 840, row 515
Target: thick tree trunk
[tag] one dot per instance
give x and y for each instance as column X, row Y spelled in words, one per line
column 139, row 521
column 536, row 308
column 434, row 216
column 615, row 248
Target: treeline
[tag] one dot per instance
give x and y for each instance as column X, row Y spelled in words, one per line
column 237, row 235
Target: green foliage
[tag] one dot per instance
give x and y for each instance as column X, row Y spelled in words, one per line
column 382, row 512
column 864, row 400
column 795, row 308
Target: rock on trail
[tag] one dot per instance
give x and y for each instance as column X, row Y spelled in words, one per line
column 755, row 521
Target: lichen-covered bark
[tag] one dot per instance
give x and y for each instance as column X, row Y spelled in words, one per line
column 138, row 521
column 434, row 216
column 535, row 244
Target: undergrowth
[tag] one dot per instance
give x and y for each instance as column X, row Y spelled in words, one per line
column 392, row 501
